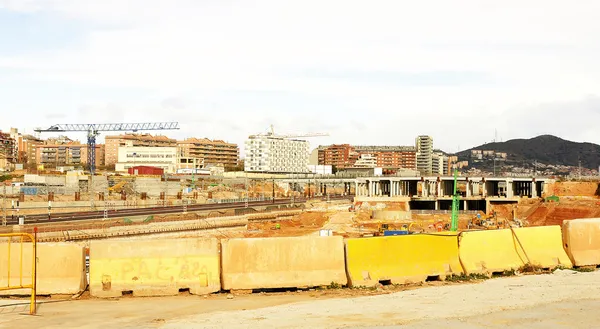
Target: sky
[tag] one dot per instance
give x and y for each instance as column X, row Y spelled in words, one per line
column 366, row 72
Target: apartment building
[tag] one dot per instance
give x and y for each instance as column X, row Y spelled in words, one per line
column 424, row 146
column 439, row 163
column 113, row 143
column 346, row 156
column 337, row 155
column 211, row 151
column 72, row 153
column 8, row 152
column 276, row 155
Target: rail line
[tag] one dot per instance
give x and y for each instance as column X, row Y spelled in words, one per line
column 115, row 213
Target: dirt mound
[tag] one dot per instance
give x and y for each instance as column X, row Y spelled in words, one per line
column 302, row 224
column 556, row 213
column 573, row 188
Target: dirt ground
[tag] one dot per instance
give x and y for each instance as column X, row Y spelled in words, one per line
column 573, row 188
column 565, row 299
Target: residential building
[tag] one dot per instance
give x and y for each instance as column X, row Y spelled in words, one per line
column 346, row 156
column 113, row 143
column 424, row 145
column 391, row 156
column 73, row 153
column 439, row 164
column 211, row 151
column 8, row 152
column 274, row 154
column 366, row 161
column 26, row 148
column 337, row 155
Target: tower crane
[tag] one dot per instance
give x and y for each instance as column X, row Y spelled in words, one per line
column 271, row 133
column 455, row 204
column 94, row 129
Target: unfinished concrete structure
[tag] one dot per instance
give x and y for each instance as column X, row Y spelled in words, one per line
column 435, row 193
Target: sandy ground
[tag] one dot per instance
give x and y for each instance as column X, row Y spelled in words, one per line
column 560, row 300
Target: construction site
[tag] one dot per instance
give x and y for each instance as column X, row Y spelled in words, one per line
column 262, row 248
column 256, row 243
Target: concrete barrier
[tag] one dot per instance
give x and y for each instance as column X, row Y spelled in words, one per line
column 158, row 267
column 401, row 259
column 282, row 262
column 493, row 251
column 60, row 268
column 543, row 246
column 581, row 238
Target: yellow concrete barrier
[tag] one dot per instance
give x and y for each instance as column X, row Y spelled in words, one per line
column 60, row 268
column 492, row 251
column 543, row 246
column 283, row 262
column 157, row 267
column 581, row 238
column 401, row 259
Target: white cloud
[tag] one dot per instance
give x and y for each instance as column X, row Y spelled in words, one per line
column 531, row 53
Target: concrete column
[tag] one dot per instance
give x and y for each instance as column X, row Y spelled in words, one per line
column 466, row 205
column 392, row 188
column 437, row 205
column 468, row 189
column 534, row 193
column 484, row 191
column 510, row 189
column 439, row 188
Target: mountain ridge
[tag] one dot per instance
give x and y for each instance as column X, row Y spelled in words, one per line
column 546, row 149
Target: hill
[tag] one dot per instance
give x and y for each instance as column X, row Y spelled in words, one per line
column 546, row 149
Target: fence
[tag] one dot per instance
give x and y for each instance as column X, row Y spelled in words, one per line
column 33, row 274
column 443, row 212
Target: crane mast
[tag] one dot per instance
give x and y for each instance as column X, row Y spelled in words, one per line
column 94, row 129
column 455, row 205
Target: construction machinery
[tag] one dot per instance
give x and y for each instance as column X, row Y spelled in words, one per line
column 94, row 129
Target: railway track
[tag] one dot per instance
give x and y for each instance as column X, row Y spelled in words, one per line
column 100, row 214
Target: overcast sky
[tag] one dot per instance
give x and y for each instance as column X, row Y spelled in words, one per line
column 366, row 72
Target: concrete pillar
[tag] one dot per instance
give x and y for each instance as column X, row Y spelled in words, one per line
column 534, row 193
column 466, row 205
column 437, row 205
column 468, row 188
column 510, row 189
column 392, row 188
column 439, row 188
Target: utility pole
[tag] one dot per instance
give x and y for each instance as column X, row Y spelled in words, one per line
column 4, row 207
column 246, row 203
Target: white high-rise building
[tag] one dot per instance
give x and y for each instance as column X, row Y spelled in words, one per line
column 439, row 164
column 424, row 154
column 276, row 155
